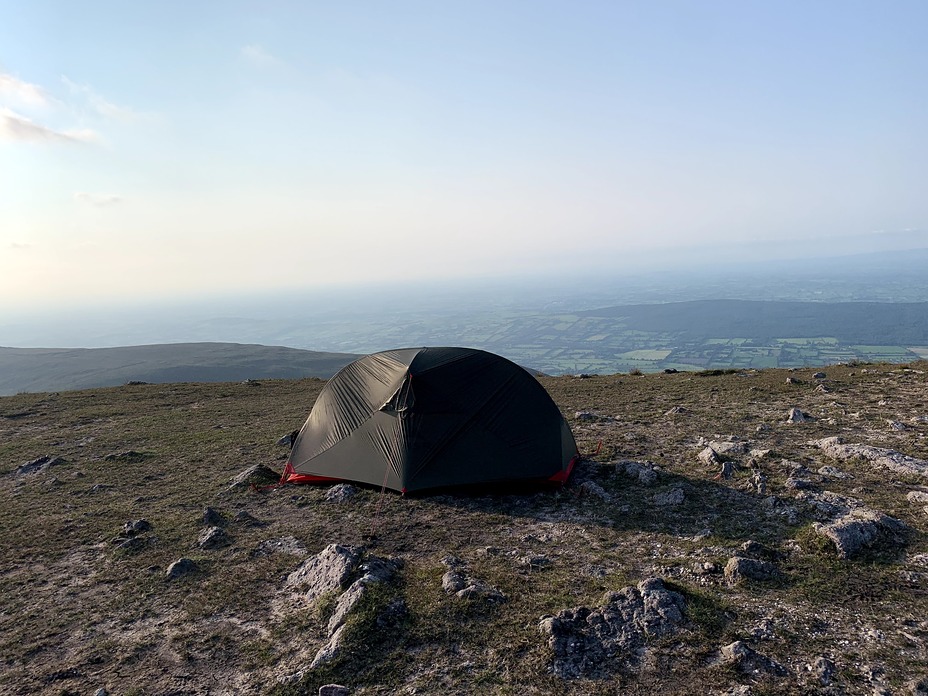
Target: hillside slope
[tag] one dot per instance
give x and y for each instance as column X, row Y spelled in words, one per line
column 57, row 369
column 660, row 568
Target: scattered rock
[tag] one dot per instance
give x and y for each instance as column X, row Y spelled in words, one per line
column 797, row 484
column 258, row 474
column 796, row 415
column 374, row 570
column 896, row 425
column 644, row 472
column 824, row 670
column 917, row 497
column 792, row 380
column 836, row 448
column 458, row 582
column 212, row 517
column 340, row 492
column 670, row 370
column 760, row 453
column 738, row 569
column 593, row 643
column 677, row 410
column 671, row 498
column 705, row 568
column 180, row 567
column 535, row 562
column 37, row 466
column 591, row 489
column 327, row 571
column 749, row 661
column 832, row 472
column 819, row 375
column 709, row 457
column 823, row 389
column 333, row 690
column 592, row 417
column 213, row 538
column 135, row 527
column 859, row 529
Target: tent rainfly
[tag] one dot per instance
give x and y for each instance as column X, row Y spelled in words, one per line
column 421, row 418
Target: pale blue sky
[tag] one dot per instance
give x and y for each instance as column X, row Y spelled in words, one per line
column 188, row 148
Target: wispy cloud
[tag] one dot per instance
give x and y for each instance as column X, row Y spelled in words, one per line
column 256, row 55
column 98, row 103
column 22, row 93
column 15, row 127
column 99, row 200
column 19, row 246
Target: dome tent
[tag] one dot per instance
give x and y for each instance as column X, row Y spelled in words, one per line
column 420, row 418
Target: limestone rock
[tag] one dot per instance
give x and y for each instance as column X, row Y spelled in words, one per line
column 796, row 415
column 819, row 375
column 592, row 643
column 39, row 465
column 917, row 497
column 836, row 448
column 832, row 472
column 374, row 570
column 258, row 475
column 213, row 538
column 824, row 670
column 739, row 568
column 340, row 493
column 135, row 527
column 748, row 661
column 591, row 489
column 212, row 517
column 460, row 583
column 180, row 567
column 859, row 529
column 327, row 571
column 644, row 472
column 333, row 690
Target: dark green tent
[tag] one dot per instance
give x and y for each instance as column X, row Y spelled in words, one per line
column 419, row 418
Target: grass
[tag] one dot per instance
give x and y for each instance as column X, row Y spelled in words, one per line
column 70, row 600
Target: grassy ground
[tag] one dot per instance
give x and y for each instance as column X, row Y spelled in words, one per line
column 78, row 613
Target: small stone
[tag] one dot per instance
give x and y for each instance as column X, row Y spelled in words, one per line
column 739, row 568
column 749, row 661
column 258, row 475
column 333, row 690
column 832, row 472
column 212, row 517
column 918, row 686
column 341, row 492
column 101, row 692
column 896, row 425
column 135, row 527
column 796, row 415
column 677, row 411
column 819, row 375
column 705, row 568
column 590, row 489
column 213, row 538
column 792, row 380
column 797, row 484
column 917, row 497
column 180, row 567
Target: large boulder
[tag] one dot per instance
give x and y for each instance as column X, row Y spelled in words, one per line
column 861, row 528
column 894, row 461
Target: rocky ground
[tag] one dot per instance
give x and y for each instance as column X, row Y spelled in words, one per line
column 736, row 533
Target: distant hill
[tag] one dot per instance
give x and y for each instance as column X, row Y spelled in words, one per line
column 866, row 323
column 59, row 369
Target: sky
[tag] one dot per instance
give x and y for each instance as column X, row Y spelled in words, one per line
column 166, row 150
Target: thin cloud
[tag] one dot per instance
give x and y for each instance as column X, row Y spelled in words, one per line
column 98, row 200
column 23, row 93
column 256, row 55
column 98, row 103
column 17, row 128
column 20, row 245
